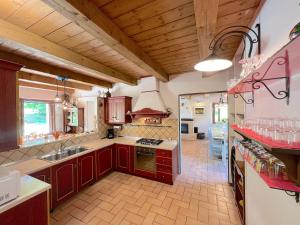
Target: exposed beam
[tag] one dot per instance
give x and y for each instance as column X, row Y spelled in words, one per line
column 206, row 14
column 44, row 48
column 87, row 15
column 53, row 70
column 42, row 86
column 30, row 77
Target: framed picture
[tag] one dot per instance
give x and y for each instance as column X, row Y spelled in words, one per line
column 199, row 110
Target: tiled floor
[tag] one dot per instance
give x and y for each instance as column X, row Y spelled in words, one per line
column 199, row 196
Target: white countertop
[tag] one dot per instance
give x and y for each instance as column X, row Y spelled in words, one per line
column 30, row 187
column 101, row 143
column 33, row 165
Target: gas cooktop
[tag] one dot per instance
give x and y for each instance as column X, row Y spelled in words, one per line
column 149, row 141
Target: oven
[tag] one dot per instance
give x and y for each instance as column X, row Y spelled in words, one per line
column 145, row 159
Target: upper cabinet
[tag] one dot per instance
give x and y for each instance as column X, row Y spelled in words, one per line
column 8, row 105
column 116, row 109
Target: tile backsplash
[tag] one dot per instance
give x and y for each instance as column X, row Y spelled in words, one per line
column 168, row 129
column 38, row 150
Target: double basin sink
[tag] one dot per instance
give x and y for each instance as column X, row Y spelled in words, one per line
column 61, row 154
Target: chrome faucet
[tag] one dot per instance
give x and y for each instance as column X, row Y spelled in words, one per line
column 62, row 145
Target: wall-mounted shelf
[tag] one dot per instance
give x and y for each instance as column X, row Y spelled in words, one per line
column 281, row 66
column 289, row 154
column 239, row 187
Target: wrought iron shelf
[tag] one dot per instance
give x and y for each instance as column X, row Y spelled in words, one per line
column 280, row 67
column 288, row 154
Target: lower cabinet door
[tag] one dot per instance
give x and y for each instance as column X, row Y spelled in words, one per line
column 122, row 153
column 44, row 175
column 104, row 161
column 86, row 170
column 31, row 212
column 64, row 181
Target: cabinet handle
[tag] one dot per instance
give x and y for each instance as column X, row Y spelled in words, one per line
column 48, row 179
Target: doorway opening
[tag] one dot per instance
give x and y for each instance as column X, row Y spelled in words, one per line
column 203, row 124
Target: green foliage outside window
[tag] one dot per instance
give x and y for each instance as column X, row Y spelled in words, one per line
column 35, row 112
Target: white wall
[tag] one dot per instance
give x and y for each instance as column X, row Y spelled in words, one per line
column 265, row 206
column 36, row 94
column 90, row 112
column 202, row 121
column 186, row 83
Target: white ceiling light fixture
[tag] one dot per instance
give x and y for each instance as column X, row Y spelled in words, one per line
column 216, row 63
column 213, row 63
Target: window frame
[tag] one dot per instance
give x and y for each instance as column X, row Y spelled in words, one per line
column 219, row 112
column 51, row 113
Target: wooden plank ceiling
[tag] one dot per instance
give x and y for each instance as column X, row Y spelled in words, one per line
column 165, row 30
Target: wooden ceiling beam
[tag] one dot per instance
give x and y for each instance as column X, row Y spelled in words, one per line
column 206, row 15
column 44, row 48
column 86, row 14
column 42, row 86
column 32, row 65
column 30, row 77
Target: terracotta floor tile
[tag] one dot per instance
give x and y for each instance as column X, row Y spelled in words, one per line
column 164, row 220
column 145, row 209
column 106, row 216
column 133, row 218
column 119, row 217
column 199, row 196
column 159, row 210
column 167, row 202
column 149, row 219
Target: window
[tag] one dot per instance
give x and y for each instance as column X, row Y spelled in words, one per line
column 220, row 112
column 36, row 117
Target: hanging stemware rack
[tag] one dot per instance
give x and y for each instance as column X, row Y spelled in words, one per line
column 280, row 67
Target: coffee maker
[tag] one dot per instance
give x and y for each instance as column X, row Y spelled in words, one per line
column 110, row 133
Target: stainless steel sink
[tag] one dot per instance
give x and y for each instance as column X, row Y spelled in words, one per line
column 64, row 153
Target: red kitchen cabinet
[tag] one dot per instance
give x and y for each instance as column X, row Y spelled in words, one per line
column 131, row 159
column 9, row 103
column 86, row 170
column 166, row 165
column 123, row 158
column 116, row 109
column 64, row 181
column 44, row 175
column 104, row 161
column 31, row 212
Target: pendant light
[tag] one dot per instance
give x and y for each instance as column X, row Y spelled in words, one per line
column 57, row 98
column 216, row 63
column 213, row 63
column 65, row 103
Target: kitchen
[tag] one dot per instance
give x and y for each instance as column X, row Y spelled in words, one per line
column 89, row 126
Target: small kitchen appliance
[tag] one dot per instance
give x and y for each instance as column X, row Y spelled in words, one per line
column 110, row 133
column 10, row 184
